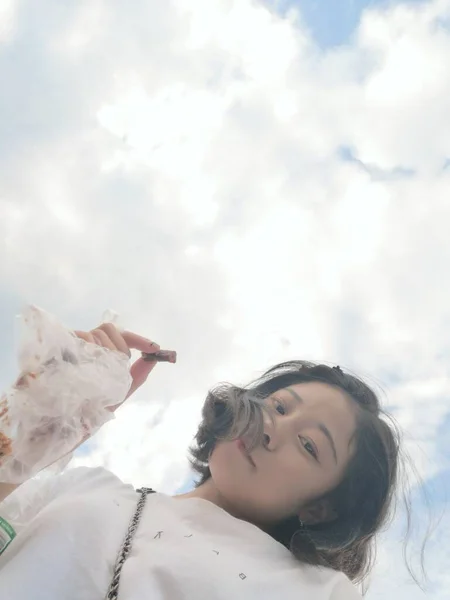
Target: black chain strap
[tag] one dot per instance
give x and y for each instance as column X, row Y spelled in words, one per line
column 113, row 590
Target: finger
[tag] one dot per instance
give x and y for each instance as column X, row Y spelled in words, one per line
column 86, row 336
column 139, row 343
column 139, row 371
column 115, row 336
column 103, row 339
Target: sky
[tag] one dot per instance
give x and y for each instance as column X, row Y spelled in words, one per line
column 244, row 182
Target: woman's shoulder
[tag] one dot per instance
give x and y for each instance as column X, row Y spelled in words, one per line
column 335, row 584
column 344, row 589
column 91, row 477
column 32, row 496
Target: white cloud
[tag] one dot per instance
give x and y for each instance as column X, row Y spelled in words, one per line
column 180, row 162
column 8, row 20
column 404, row 95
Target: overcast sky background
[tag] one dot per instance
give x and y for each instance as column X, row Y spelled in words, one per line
column 244, row 182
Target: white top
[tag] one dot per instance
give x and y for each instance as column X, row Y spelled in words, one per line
column 70, row 529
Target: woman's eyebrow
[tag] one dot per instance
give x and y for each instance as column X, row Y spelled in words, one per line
column 323, row 428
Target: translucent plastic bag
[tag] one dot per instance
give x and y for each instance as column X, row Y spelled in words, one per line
column 64, row 395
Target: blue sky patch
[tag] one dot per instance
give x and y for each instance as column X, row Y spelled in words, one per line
column 331, row 22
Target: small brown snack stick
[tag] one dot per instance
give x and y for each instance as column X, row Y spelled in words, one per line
column 161, row 356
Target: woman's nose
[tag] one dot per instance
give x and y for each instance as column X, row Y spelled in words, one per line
column 270, row 434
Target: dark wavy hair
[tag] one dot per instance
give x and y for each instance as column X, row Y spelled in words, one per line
column 363, row 501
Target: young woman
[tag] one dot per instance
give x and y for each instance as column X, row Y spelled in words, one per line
column 297, row 473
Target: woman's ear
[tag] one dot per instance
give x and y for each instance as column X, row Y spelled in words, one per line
column 319, row 511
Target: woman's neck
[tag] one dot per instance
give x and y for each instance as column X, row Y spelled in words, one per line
column 208, row 491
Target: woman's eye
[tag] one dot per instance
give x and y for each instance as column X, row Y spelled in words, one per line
column 309, row 447
column 280, row 408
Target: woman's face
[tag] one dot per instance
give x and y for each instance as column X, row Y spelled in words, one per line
column 306, row 449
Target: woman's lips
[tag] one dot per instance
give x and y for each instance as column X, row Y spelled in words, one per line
column 241, row 445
